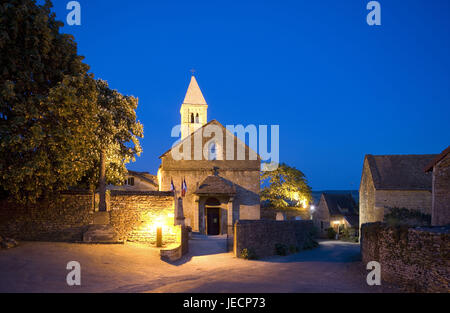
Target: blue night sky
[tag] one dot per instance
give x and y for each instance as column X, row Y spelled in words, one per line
column 338, row 88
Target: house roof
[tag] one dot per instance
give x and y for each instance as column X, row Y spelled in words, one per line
column 430, row 165
column 194, row 94
column 352, row 219
column 145, row 176
column 340, row 204
column 400, row 172
column 215, row 184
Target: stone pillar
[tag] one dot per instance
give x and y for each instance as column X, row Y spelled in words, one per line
column 179, row 215
column 196, row 223
column 230, row 217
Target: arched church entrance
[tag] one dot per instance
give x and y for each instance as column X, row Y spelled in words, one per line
column 212, row 207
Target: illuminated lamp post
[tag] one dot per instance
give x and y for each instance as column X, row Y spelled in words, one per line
column 158, row 234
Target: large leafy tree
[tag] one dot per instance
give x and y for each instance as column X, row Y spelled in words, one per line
column 285, row 187
column 117, row 136
column 48, row 103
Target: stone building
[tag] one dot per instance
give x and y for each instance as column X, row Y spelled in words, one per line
column 222, row 173
column 440, row 167
column 138, row 181
column 390, row 181
column 337, row 211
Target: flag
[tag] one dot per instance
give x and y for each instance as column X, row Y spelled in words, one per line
column 183, row 188
column 172, row 186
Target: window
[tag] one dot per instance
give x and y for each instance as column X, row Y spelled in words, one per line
column 129, row 181
column 212, row 152
column 192, row 117
column 321, row 225
column 197, row 118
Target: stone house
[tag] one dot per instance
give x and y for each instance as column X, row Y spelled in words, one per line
column 138, row 181
column 222, row 177
column 337, row 211
column 440, row 208
column 390, row 181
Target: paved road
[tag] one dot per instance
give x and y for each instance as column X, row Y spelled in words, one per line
column 41, row 267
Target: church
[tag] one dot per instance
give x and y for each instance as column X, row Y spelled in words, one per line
column 221, row 185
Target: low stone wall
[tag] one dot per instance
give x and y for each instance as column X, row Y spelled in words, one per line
column 67, row 216
column 63, row 218
column 134, row 215
column 177, row 251
column 260, row 237
column 416, row 259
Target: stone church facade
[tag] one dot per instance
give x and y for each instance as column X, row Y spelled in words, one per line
column 222, row 186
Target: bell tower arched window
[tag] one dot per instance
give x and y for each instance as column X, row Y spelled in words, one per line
column 197, row 118
column 192, row 117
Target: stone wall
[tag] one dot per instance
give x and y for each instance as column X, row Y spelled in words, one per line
column 261, row 236
column 63, row 218
column 441, row 192
column 133, row 215
column 416, row 259
column 67, row 216
column 367, row 212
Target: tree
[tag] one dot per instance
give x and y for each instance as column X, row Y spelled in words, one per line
column 47, row 103
column 285, row 187
column 116, row 136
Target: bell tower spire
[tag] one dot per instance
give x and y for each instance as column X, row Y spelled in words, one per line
column 194, row 109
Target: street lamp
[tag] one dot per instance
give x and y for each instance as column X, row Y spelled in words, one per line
column 158, row 235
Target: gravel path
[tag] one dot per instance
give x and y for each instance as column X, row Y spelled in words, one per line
column 41, row 267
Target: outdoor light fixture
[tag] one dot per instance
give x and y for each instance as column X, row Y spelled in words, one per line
column 313, row 208
column 158, row 236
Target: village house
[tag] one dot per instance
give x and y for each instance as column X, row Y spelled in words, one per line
column 137, row 181
column 394, row 181
column 440, row 208
column 219, row 189
column 337, row 211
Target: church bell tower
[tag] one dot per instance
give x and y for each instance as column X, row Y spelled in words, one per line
column 193, row 110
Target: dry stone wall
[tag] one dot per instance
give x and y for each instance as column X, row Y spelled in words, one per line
column 416, row 259
column 261, row 237
column 67, row 216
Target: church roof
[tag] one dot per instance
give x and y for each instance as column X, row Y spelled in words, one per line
column 400, row 172
column 215, row 184
column 194, row 94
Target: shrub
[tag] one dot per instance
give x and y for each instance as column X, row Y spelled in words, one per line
column 349, row 234
column 310, row 243
column 248, row 254
column 331, row 233
column 403, row 216
column 293, row 249
column 281, row 249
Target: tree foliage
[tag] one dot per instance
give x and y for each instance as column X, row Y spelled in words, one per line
column 285, row 187
column 56, row 120
column 47, row 101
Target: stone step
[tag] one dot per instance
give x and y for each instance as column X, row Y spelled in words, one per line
column 100, row 234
